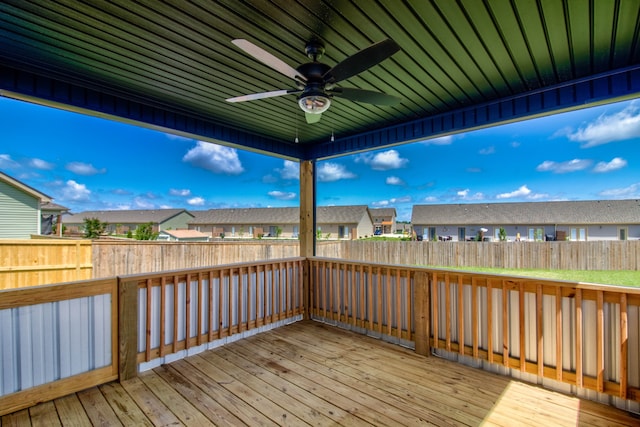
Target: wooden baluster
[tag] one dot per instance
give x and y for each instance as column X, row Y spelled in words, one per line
column 489, row 321
column 559, row 367
column 398, row 294
column 460, row 316
column 163, row 314
column 539, row 331
column 600, row 341
column 210, row 312
column 521, row 308
column 174, row 344
column 435, row 304
column 199, row 315
column 187, row 312
column 147, row 350
column 624, row 338
column 505, row 324
column 447, row 311
column 475, row 327
column 579, row 328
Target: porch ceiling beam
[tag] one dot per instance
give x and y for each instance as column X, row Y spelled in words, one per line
column 595, row 90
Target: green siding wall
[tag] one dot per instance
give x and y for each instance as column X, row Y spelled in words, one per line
column 19, row 213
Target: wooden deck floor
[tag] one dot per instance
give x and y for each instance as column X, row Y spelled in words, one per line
column 310, row 373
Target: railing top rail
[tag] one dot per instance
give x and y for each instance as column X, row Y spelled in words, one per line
column 20, row 297
column 490, row 276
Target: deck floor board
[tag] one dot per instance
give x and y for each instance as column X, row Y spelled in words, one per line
column 309, row 373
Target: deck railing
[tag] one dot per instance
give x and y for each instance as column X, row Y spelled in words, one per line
column 182, row 310
column 55, row 340
column 586, row 337
column 58, row 339
column 63, row 338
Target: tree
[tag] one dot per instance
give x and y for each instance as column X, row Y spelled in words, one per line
column 145, row 232
column 93, row 228
column 278, row 231
column 502, row 234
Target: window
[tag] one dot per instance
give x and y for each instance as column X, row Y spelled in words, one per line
column 432, row 233
column 578, row 234
column 536, row 234
column 622, row 233
column 295, row 231
column 496, row 234
column 462, row 234
column 273, row 231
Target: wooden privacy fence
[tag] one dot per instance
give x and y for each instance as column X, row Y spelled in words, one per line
column 584, row 337
column 592, row 255
column 37, row 262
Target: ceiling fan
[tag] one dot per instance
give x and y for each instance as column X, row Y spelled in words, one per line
column 316, row 82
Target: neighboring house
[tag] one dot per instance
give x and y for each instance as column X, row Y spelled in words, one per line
column 22, row 209
column 342, row 222
column 183, row 236
column 530, row 221
column 122, row 221
column 51, row 223
column 384, row 220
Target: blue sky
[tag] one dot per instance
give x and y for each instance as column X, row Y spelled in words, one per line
column 86, row 163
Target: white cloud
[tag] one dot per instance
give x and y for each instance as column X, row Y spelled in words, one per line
column 142, row 203
column 290, row 170
column 6, row 162
column 520, row 192
column 442, row 140
column 282, row 195
column 515, row 144
column 383, row 161
column 392, row 201
column 73, row 191
column 631, row 191
column 488, row 150
column 83, row 168
column 180, row 192
column 195, row 201
column 615, row 164
column 41, row 164
column 394, row 180
column 474, row 170
column 465, row 194
column 214, row 158
column 430, row 199
column 622, row 125
column 329, row 172
column 563, row 167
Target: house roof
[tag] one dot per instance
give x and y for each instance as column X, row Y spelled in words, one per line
column 126, row 216
column 185, row 234
column 24, row 188
column 254, row 216
column 376, row 212
column 53, row 207
column 462, row 64
column 532, row 213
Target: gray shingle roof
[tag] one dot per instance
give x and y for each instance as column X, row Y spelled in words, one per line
column 540, row 213
column 378, row 212
column 249, row 216
column 125, row 216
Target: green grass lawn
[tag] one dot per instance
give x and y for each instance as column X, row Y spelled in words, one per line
column 621, row 278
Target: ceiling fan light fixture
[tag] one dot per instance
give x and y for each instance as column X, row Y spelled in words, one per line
column 314, row 103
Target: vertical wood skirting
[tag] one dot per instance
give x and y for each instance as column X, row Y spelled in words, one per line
column 127, row 330
column 422, row 304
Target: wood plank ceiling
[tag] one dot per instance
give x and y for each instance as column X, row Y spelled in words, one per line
column 463, row 64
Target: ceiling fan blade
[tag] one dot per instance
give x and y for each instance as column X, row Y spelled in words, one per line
column 361, row 61
column 368, row 96
column 269, row 59
column 312, row 118
column 262, row 95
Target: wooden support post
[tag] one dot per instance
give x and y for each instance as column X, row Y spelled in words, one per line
column 307, row 232
column 127, row 330
column 422, row 304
